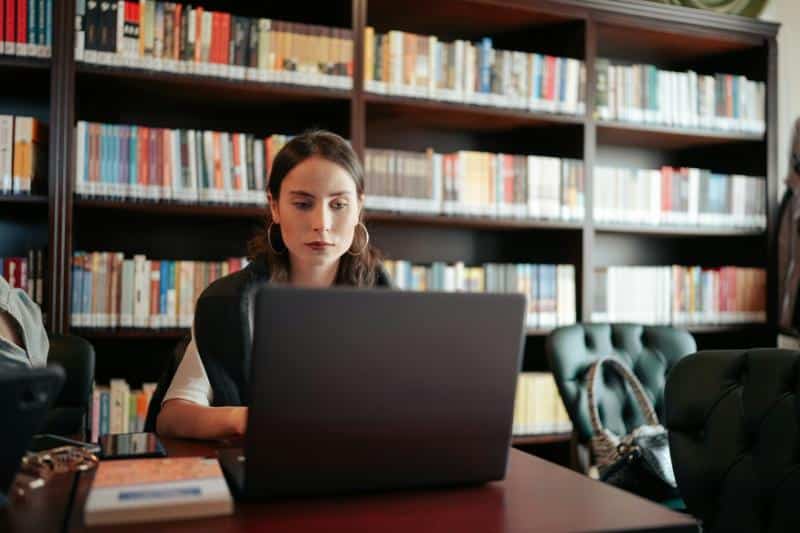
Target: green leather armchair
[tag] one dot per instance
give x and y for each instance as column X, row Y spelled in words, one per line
column 68, row 416
column 734, row 433
column 649, row 351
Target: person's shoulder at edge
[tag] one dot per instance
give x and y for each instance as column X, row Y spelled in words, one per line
column 17, row 306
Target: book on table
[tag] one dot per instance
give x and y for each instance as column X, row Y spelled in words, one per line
column 145, row 490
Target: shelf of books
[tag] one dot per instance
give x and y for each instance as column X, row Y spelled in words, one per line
column 679, row 200
column 719, row 106
column 115, row 296
column 26, row 273
column 181, row 39
column 23, row 158
column 413, row 66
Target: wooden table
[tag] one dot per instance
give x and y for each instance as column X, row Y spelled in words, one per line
column 535, row 496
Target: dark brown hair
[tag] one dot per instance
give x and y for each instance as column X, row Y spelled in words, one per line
column 358, row 270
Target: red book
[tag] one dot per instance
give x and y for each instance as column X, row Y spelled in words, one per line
column 271, row 153
column 550, row 78
column 215, row 54
column 176, row 31
column 22, row 21
column 217, row 146
column 22, row 274
column 155, row 292
column 11, row 28
column 2, row 22
column 160, row 161
column 508, row 178
column 666, row 189
column 723, row 290
column 237, row 161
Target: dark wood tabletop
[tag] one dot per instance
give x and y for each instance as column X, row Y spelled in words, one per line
column 535, row 496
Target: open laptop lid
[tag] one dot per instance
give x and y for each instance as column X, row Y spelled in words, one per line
column 355, row 390
column 25, row 396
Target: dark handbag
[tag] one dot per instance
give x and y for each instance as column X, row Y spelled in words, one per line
column 639, row 462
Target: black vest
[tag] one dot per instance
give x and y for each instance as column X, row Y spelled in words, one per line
column 223, row 334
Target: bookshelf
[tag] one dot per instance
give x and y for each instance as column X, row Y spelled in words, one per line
column 24, row 221
column 63, row 91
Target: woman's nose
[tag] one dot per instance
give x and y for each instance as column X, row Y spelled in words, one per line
column 321, row 221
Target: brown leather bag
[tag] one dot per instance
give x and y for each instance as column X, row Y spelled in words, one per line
column 789, row 244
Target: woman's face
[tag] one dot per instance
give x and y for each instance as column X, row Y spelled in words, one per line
column 317, row 211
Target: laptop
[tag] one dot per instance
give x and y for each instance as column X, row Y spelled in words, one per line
column 367, row 390
column 25, row 396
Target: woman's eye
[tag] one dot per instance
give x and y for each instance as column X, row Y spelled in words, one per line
column 339, row 205
column 302, row 205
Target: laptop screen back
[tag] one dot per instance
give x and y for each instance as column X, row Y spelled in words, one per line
column 357, row 390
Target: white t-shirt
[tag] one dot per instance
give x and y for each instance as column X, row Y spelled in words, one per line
column 190, row 381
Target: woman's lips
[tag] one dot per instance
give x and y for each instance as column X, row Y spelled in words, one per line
column 318, row 245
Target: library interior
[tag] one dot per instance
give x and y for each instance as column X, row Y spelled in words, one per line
column 368, row 265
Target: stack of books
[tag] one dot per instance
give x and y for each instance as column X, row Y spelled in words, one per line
column 644, row 94
column 679, row 197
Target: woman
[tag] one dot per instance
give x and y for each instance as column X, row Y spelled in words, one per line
column 314, row 237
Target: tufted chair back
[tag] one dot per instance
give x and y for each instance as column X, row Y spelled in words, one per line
column 734, row 429
column 649, row 351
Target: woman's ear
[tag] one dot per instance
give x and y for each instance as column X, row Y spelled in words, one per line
column 360, row 204
column 273, row 208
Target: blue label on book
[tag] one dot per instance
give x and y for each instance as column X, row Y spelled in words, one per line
column 159, row 494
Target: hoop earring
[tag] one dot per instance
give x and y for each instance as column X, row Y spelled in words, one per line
column 269, row 240
column 366, row 242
